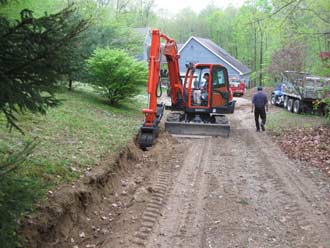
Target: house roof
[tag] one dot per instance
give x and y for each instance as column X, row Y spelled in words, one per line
column 220, row 53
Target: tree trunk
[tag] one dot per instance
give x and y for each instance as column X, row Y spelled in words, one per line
column 70, row 84
column 255, row 54
column 261, row 57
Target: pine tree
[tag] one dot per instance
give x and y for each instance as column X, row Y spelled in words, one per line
column 34, row 56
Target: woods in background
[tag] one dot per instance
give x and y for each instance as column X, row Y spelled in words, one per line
column 263, row 34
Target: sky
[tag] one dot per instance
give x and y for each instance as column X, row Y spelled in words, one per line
column 174, row 6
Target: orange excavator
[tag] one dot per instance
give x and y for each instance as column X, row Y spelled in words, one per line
column 198, row 103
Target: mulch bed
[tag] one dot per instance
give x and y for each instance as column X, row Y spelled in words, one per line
column 307, row 144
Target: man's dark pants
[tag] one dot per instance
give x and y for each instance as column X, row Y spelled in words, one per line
column 262, row 113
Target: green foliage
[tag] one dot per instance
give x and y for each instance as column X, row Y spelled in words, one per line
column 33, row 57
column 326, row 101
column 281, row 120
column 11, row 9
column 258, row 30
column 75, row 134
column 115, row 74
column 17, row 192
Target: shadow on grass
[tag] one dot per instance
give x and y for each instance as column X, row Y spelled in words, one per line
column 126, row 105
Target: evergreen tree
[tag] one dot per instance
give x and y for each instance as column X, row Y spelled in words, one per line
column 34, row 55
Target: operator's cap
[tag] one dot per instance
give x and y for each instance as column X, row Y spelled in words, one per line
column 259, row 88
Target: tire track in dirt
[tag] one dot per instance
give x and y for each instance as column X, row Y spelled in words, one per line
column 183, row 217
column 242, row 195
column 251, row 205
column 137, row 219
column 285, row 196
column 154, row 206
column 297, row 196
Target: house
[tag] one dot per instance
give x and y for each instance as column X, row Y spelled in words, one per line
column 201, row 50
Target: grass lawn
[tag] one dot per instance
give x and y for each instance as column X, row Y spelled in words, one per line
column 282, row 119
column 74, row 135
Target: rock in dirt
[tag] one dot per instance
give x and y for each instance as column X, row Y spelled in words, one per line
column 141, row 195
column 130, row 188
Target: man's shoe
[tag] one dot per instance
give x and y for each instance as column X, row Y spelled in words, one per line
column 258, row 130
column 263, row 127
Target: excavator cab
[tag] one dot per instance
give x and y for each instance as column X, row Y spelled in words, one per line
column 206, row 90
column 207, row 98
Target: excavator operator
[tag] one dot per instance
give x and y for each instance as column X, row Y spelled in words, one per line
column 204, row 91
column 205, row 82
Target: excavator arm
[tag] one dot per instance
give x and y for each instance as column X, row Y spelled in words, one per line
column 154, row 112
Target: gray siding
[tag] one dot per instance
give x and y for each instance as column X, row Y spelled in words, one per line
column 196, row 53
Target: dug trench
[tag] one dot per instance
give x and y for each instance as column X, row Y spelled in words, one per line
column 241, row 191
column 105, row 203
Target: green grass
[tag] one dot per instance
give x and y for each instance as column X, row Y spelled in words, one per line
column 277, row 121
column 71, row 137
column 75, row 135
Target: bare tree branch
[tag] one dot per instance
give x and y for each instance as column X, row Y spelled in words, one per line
column 290, row 13
column 275, row 12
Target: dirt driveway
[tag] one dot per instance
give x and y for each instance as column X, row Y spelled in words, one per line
column 240, row 191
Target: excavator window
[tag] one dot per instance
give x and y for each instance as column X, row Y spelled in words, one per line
column 199, row 73
column 218, row 77
column 199, row 84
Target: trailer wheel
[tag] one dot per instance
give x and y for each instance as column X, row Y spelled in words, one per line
column 290, row 105
column 273, row 100
column 296, row 107
column 285, row 103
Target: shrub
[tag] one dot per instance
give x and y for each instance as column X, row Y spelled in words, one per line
column 115, row 74
column 326, row 101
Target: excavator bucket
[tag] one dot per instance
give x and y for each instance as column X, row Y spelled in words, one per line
column 220, row 128
column 147, row 134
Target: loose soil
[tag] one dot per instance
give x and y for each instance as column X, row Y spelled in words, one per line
column 241, row 191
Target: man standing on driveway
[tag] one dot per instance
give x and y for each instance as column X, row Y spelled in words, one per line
column 260, row 106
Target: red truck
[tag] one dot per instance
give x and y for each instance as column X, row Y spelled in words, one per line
column 237, row 86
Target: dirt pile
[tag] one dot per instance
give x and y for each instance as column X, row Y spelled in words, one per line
column 311, row 145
